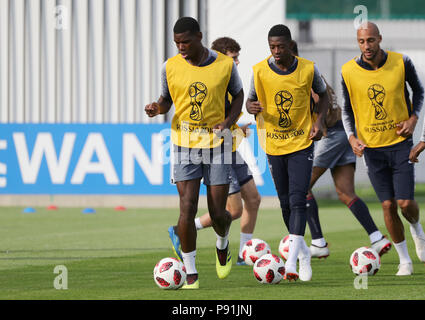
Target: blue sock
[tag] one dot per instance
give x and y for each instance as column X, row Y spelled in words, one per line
column 313, row 218
column 362, row 214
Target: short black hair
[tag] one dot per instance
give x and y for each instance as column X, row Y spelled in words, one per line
column 225, row 44
column 185, row 24
column 280, row 30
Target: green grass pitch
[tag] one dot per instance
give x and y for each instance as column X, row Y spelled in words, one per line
column 111, row 255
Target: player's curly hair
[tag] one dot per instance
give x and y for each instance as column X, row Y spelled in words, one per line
column 225, row 44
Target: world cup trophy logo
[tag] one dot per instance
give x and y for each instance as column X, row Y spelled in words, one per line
column 284, row 100
column 197, row 93
column 376, row 94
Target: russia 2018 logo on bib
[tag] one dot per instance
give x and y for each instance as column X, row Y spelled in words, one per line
column 376, row 94
column 284, row 100
column 197, row 92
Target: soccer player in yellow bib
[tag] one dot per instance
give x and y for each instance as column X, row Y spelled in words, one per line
column 196, row 81
column 280, row 100
column 334, row 152
column 242, row 185
column 379, row 120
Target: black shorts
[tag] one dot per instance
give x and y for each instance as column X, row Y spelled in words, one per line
column 391, row 173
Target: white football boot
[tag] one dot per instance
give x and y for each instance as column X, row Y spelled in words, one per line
column 304, row 260
column 405, row 269
column 381, row 246
column 319, row 252
column 295, row 246
column 291, row 273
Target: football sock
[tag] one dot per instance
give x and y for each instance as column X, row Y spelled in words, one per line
column 295, row 243
column 313, row 218
column 304, row 249
column 416, row 229
column 403, row 254
column 375, row 236
column 244, row 237
column 362, row 214
column 189, row 260
column 319, row 242
column 222, row 242
column 198, row 224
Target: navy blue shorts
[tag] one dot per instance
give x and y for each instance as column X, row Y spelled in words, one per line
column 391, row 173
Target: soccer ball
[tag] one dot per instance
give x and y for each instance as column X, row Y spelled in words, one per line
column 253, row 250
column 169, row 273
column 269, row 269
column 365, row 260
column 284, row 248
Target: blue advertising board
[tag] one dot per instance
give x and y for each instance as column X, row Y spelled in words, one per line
column 98, row 159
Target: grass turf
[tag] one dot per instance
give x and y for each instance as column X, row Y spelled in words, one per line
column 111, row 255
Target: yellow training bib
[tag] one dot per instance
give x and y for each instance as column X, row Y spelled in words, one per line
column 198, row 94
column 284, row 125
column 378, row 100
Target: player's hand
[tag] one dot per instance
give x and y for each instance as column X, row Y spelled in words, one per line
column 246, row 131
column 316, row 132
column 253, row 107
column 406, row 128
column 416, row 151
column 152, row 109
column 357, row 145
column 222, row 131
column 219, row 129
column 220, row 126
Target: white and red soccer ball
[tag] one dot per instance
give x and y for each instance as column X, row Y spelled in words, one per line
column 284, row 248
column 253, row 250
column 169, row 273
column 365, row 260
column 269, row 269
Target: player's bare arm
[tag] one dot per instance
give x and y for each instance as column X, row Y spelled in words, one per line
column 318, row 127
column 416, row 151
column 253, row 106
column 235, row 110
column 406, row 128
column 162, row 106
